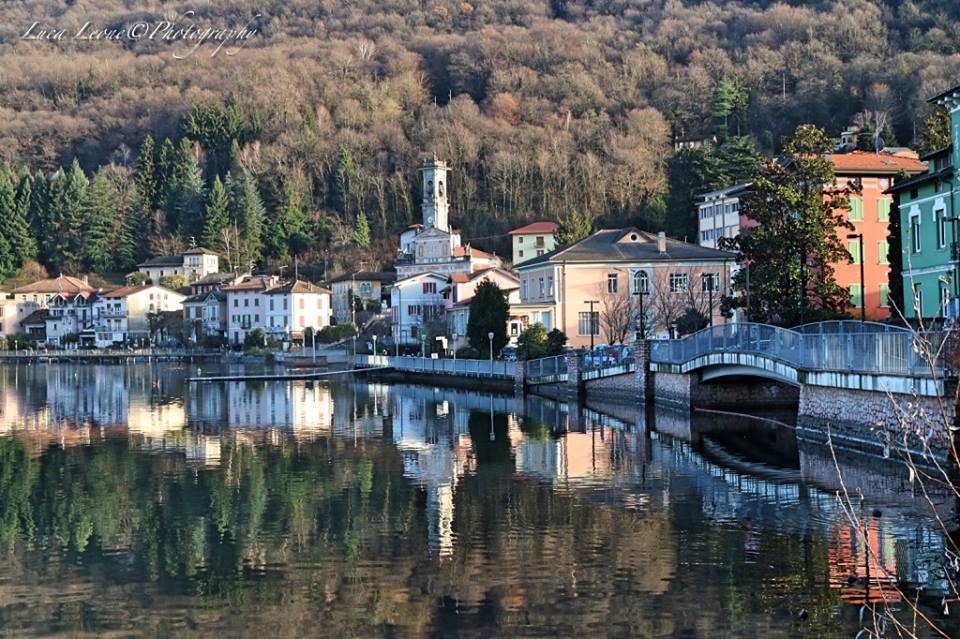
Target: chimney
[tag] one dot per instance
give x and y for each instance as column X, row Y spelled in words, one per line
column 662, row 242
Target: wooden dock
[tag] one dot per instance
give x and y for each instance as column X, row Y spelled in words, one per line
column 281, row 377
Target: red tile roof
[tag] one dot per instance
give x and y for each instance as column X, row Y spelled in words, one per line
column 535, row 227
column 127, row 291
column 62, row 284
column 461, row 251
column 866, row 162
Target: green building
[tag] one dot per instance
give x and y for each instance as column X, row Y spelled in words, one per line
column 928, row 207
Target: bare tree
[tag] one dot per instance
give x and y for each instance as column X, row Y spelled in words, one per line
column 617, row 314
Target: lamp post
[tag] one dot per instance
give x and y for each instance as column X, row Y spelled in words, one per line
column 490, row 338
column 590, row 324
column 640, row 293
column 374, row 345
column 709, row 281
column 453, row 337
column 313, row 343
column 863, row 292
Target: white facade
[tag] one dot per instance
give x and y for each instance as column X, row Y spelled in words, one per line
column 192, row 265
column 718, row 215
column 122, row 315
column 415, row 302
column 281, row 311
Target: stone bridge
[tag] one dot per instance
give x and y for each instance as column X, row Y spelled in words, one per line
column 852, row 379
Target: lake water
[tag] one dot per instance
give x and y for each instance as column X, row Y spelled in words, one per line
column 132, row 503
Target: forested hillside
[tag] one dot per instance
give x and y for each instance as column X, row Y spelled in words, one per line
column 540, row 107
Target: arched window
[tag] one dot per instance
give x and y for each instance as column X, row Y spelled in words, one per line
column 440, row 188
column 430, row 188
column 641, row 282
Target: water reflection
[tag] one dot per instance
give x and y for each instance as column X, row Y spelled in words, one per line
column 132, row 502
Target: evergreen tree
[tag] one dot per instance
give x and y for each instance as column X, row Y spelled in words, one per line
column 574, row 225
column 800, row 214
column 7, row 207
column 935, row 132
column 147, row 179
column 184, row 202
column 489, row 313
column 217, row 215
column 248, row 216
column 101, row 225
column 361, row 232
column 13, row 224
column 76, row 208
column 134, row 210
column 163, row 172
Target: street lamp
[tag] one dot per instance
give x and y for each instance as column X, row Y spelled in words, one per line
column 863, row 292
column 709, row 281
column 639, row 292
column 590, row 324
column 453, row 338
column 374, row 345
column 490, row 338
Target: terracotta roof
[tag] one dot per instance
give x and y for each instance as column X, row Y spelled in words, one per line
column 254, row 283
column 297, row 286
column 461, row 251
column 367, row 276
column 866, row 162
column 605, row 246
column 37, row 317
column 535, row 227
column 62, row 284
column 459, row 278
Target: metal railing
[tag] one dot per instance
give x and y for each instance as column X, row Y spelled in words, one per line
column 547, row 369
column 466, row 367
column 896, row 351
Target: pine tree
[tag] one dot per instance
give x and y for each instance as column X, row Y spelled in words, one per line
column 361, row 232
column 574, row 225
column 134, row 210
column 163, row 172
column 76, row 209
column 101, row 225
column 217, row 215
column 248, row 216
column 7, row 207
column 147, row 179
column 184, row 202
column 797, row 238
column 13, row 222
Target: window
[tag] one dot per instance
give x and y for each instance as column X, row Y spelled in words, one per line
column 246, row 302
column 856, row 295
column 882, row 250
column 915, row 232
column 539, row 252
column 941, row 219
column 256, row 301
column 589, row 323
column 543, row 289
column 641, row 283
column 944, row 301
column 550, row 285
column 612, row 283
column 679, row 282
column 918, row 300
column 520, row 253
column 523, row 289
column 520, row 240
column 856, row 209
column 913, row 194
column 883, row 209
column 854, row 249
column 429, row 287
column 539, row 242
column 271, row 303
column 710, row 282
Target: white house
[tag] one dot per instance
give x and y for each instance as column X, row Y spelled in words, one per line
column 296, row 306
column 415, row 302
column 246, row 305
column 122, row 315
column 206, row 313
column 193, row 265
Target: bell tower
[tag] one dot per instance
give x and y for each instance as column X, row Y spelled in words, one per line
column 435, row 205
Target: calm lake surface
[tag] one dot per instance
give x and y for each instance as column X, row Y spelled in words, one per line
column 133, row 503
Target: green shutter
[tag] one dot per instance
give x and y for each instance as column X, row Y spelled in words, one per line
column 854, row 249
column 882, row 249
column 884, row 295
column 883, row 209
column 855, row 295
column 856, row 209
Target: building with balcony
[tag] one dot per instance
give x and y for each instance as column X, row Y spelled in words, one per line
column 67, row 302
column 592, row 289
column 416, row 302
column 206, row 314
column 718, row 214
column 293, row 307
column 123, row 315
column 458, row 296
column 533, row 240
column 246, row 307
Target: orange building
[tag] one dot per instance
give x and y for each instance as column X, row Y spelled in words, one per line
column 870, row 215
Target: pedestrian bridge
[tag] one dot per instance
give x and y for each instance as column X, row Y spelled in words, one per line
column 820, row 353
